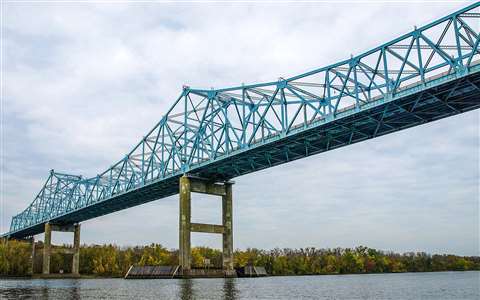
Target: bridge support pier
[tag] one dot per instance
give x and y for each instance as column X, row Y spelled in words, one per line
column 47, row 246
column 188, row 185
column 32, row 266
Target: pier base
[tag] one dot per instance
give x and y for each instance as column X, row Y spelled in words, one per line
column 165, row 272
column 188, row 185
column 47, row 247
column 207, row 273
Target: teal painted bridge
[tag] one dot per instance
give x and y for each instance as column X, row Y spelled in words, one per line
column 428, row 74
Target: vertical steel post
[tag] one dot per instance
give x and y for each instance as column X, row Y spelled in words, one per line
column 185, row 215
column 47, row 249
column 227, row 253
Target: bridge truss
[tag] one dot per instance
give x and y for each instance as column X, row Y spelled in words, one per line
column 428, row 74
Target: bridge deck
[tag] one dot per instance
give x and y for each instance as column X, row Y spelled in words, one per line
column 405, row 112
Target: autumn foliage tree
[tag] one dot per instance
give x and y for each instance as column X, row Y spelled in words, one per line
column 114, row 261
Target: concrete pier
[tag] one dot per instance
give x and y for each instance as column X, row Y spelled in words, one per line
column 227, row 257
column 76, row 250
column 32, row 266
column 190, row 185
column 47, row 246
column 185, row 218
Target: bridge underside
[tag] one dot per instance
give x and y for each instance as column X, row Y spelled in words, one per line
column 432, row 104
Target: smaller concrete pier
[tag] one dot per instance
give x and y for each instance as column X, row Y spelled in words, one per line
column 48, row 249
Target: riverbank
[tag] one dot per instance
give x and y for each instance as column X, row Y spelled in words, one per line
column 65, row 276
column 113, row 261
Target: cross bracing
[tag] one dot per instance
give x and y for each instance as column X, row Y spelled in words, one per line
column 428, row 74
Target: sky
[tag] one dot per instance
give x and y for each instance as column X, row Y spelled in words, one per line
column 83, row 82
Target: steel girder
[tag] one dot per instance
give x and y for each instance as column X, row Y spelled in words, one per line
column 427, row 74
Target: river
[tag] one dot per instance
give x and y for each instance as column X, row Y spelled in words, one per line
column 441, row 285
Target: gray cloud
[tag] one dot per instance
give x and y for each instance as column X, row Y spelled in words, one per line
column 84, row 82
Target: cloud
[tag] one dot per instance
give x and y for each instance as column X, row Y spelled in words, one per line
column 84, row 82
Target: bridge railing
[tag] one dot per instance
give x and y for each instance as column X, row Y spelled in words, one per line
column 205, row 125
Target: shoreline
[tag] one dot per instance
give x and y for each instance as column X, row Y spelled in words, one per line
column 65, row 276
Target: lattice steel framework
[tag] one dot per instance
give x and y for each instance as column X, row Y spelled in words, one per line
column 421, row 76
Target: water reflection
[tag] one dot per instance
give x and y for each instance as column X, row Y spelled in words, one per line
column 24, row 292
column 230, row 289
column 44, row 292
column 17, row 293
column 45, row 289
column 187, row 290
column 75, row 291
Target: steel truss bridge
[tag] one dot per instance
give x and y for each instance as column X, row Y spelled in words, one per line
column 430, row 73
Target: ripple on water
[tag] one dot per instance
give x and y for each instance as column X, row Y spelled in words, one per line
column 441, row 285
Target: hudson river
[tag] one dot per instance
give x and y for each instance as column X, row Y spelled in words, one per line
column 442, row 285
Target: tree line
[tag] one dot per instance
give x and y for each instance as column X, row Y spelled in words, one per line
column 114, row 261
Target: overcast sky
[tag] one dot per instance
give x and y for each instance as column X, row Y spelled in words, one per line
column 84, row 83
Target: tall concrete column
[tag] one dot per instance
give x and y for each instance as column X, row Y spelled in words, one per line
column 47, row 249
column 227, row 256
column 185, row 216
column 76, row 250
column 32, row 271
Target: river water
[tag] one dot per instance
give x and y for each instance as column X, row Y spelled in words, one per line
column 441, row 285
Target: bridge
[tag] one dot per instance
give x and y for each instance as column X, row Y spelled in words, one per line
column 209, row 136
